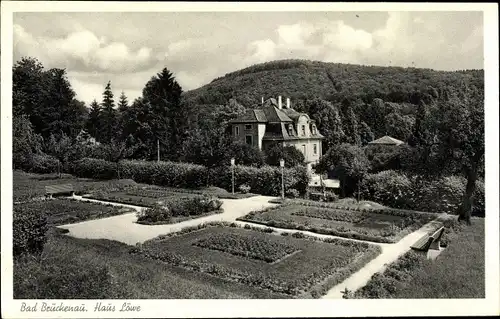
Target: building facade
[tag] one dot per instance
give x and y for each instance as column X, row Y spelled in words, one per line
column 274, row 123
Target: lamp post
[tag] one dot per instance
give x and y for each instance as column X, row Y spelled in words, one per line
column 232, row 173
column 282, row 165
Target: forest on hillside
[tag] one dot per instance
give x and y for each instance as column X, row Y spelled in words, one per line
column 439, row 114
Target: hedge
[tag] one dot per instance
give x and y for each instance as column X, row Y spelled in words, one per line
column 265, row 180
column 29, row 228
column 94, row 168
column 440, row 195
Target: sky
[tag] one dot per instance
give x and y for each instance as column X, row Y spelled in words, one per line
column 129, row 48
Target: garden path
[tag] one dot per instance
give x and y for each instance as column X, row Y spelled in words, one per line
column 123, row 228
column 390, row 253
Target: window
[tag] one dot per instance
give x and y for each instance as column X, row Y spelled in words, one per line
column 249, row 139
column 290, row 129
column 248, row 127
column 303, row 130
column 314, row 129
column 236, row 130
column 315, row 149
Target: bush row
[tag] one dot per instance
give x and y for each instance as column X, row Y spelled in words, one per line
column 180, row 207
column 441, row 195
column 29, row 228
column 37, row 163
column 264, row 180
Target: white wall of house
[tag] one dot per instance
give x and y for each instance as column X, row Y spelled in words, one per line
column 261, row 129
column 307, row 147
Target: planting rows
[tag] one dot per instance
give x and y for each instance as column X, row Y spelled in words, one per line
column 385, row 225
column 238, row 245
column 315, row 266
column 66, row 211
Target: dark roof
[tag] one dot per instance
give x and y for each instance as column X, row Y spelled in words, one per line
column 275, row 115
column 387, row 140
column 251, row 116
column 291, row 113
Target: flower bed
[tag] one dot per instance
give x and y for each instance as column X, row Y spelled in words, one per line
column 310, row 272
column 241, row 246
column 67, row 211
column 383, row 225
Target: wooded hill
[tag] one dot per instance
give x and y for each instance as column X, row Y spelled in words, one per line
column 303, row 80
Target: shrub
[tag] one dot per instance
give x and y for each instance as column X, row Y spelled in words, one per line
column 331, row 197
column 43, row 164
column 390, row 188
column 188, row 206
column 265, row 180
column 244, row 188
column 292, row 193
column 155, row 214
column 479, row 199
column 29, row 228
column 94, row 168
column 440, row 195
column 290, row 154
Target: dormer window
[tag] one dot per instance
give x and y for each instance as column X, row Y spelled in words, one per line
column 290, row 129
column 314, row 129
column 303, row 130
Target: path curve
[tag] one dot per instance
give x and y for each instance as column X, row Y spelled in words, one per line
column 123, row 228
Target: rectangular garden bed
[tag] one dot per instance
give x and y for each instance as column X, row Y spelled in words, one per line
column 383, row 225
column 297, row 267
column 67, row 211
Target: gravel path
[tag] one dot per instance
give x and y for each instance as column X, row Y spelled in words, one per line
column 390, row 253
column 123, row 228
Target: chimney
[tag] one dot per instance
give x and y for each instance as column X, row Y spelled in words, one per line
column 287, row 102
column 280, row 104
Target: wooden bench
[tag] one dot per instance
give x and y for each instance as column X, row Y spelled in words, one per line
column 59, row 190
column 427, row 242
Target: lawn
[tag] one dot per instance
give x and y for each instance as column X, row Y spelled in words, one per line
column 67, row 211
column 378, row 225
column 458, row 272
column 148, row 196
column 139, row 197
column 72, row 268
column 297, row 267
column 27, row 186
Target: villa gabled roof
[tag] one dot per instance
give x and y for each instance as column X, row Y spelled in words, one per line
column 291, row 113
column 275, row 115
column 251, row 116
column 386, row 140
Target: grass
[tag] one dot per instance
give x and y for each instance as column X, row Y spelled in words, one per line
column 67, row 211
column 458, row 272
column 386, row 226
column 178, row 219
column 313, row 268
column 28, row 186
column 72, row 268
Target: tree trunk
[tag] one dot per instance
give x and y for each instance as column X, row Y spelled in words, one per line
column 118, row 169
column 343, row 186
column 467, row 201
